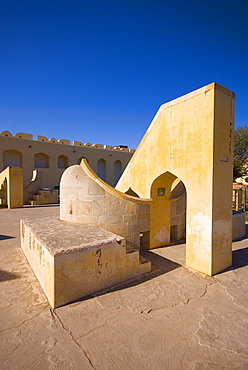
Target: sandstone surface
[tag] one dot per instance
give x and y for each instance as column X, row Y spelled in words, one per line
column 171, row 318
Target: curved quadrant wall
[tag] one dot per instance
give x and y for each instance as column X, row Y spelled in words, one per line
column 86, row 199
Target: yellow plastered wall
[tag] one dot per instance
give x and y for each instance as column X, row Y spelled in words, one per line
column 191, row 138
column 52, row 150
column 11, row 179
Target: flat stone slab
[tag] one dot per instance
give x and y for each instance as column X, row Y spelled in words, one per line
column 63, row 237
column 72, row 261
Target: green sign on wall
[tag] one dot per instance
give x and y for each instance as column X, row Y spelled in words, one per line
column 161, row 192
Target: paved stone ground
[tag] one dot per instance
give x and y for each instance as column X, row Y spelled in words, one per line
column 173, row 318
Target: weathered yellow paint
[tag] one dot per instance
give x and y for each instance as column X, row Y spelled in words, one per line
column 192, row 138
column 11, row 185
column 160, row 214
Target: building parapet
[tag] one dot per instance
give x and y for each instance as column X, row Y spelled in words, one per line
column 21, row 135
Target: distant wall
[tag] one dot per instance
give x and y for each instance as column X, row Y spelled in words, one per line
column 51, row 157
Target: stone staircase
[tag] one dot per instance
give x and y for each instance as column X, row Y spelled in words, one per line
column 44, row 196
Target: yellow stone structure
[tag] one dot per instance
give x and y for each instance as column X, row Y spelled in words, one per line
column 190, row 138
column 11, row 187
column 180, row 178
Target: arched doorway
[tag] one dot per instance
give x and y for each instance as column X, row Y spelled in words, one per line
column 178, row 211
column 168, row 210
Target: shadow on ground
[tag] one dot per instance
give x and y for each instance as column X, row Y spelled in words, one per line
column 4, row 276
column 160, row 266
column 42, row 205
column 240, row 258
column 4, row 237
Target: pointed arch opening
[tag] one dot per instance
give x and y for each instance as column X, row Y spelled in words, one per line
column 101, row 169
column 168, row 210
column 178, row 212
column 62, row 161
column 41, row 160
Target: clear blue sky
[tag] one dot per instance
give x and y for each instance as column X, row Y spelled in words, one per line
column 98, row 70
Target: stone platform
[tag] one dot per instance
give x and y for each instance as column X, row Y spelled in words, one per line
column 72, row 261
column 171, row 318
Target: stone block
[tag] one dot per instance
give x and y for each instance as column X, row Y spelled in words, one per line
column 130, row 208
column 78, row 143
column 42, row 138
column 72, row 261
column 117, row 228
column 130, row 219
column 94, row 189
column 238, row 225
column 64, row 141
column 98, row 207
column 22, row 135
column 83, row 207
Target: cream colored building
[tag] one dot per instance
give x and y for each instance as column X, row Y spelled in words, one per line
column 51, row 157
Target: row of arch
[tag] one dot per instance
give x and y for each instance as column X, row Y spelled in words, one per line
column 102, row 170
column 41, row 160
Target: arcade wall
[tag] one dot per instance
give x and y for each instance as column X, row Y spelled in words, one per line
column 51, row 157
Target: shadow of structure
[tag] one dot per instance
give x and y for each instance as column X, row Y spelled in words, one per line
column 240, row 258
column 160, row 266
column 42, row 205
column 4, row 237
column 5, row 275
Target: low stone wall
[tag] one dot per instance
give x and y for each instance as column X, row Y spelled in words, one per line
column 238, row 225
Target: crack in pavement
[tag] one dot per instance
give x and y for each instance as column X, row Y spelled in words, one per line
column 100, row 326
column 231, row 296
column 54, row 313
column 23, row 322
column 199, row 297
column 215, row 336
